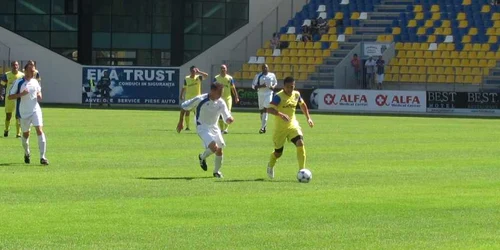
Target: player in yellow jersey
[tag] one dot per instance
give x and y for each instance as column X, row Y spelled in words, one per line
column 228, row 82
column 10, row 105
column 192, row 88
column 287, row 127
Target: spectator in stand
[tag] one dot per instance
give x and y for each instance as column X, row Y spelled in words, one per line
column 322, row 26
column 275, row 41
column 314, row 27
column 380, row 72
column 356, row 65
column 306, row 33
column 370, row 72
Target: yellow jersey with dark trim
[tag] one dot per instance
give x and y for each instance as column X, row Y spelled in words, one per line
column 192, row 86
column 286, row 104
column 10, row 78
column 228, row 83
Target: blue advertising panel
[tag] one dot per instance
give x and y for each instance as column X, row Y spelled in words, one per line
column 130, row 85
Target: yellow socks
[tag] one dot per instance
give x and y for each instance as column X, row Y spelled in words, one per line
column 18, row 127
column 301, row 157
column 272, row 160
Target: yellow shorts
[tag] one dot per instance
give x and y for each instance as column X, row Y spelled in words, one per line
column 229, row 102
column 10, row 106
column 282, row 135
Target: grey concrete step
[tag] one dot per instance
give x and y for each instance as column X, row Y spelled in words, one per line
column 375, row 23
column 360, row 38
column 384, row 16
column 390, row 8
column 397, row 2
column 369, row 30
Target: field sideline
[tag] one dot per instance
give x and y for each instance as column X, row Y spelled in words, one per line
column 124, row 179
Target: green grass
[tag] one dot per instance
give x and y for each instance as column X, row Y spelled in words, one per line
column 123, row 179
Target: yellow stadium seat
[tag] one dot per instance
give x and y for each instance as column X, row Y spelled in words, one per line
column 292, row 45
column 318, row 60
column 291, row 37
column 407, row 46
column 490, row 55
column 277, row 60
column 326, row 53
column 466, row 2
column 402, row 62
column 477, row 80
column 237, row 75
column 465, row 71
column 415, row 78
column 486, row 71
column 388, row 77
column 268, row 52
column 421, row 31
column 492, row 39
column 447, row 62
column 278, row 68
column 294, row 60
column 422, row 70
column 422, row 78
column 441, row 46
column 461, row 16
column 483, row 63
column 465, row 62
column 334, row 45
column 436, row 16
column 311, row 68
column 468, row 79
column 306, row 60
column 449, row 71
column 394, row 61
column 317, row 53
column 355, row 15
column 284, row 37
column 419, row 54
column 450, row 46
column 246, row 75
column 432, row 79
column 417, row 8
column 310, row 52
column 285, row 52
column 348, row 31
column 455, row 62
column 303, row 76
column 301, row 68
column 495, row 16
column 267, row 44
column 496, row 24
column 429, row 62
column 301, row 52
column 396, row 30
column 435, row 8
column 380, row 38
column 301, row 45
column 261, row 52
column 253, row 68
column 412, row 23
column 401, row 54
column 292, row 52
column 246, row 67
column 339, row 16
column 411, row 61
column 454, row 54
column 429, row 23
column 428, row 54
column 405, row 78
column 424, row 46
column 415, row 46
column 446, row 24
column 317, row 45
column 332, row 30
column 463, row 54
column 473, row 31
column 445, row 54
column 286, row 68
column 395, row 69
column 471, row 54
column 485, row 47
column 482, row 54
column 332, row 23
column 419, row 16
column 395, row 78
column 285, row 60
column 486, row 8
column 490, row 31
column 492, row 63
column 463, row 24
column 436, row 54
column 413, row 70
column 410, row 54
column 270, row 60
column 497, row 55
column 309, row 45
column 466, row 39
column 439, row 70
column 420, row 62
column 441, row 79
column 324, row 38
column 332, row 38
column 403, row 70
column 279, row 75
column 476, row 47
column 459, row 79
column 389, row 38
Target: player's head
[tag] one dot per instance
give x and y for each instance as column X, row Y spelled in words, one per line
column 216, row 90
column 288, row 85
column 32, row 63
column 223, row 69
column 106, row 73
column 29, row 69
column 355, row 56
column 14, row 65
column 265, row 68
column 192, row 70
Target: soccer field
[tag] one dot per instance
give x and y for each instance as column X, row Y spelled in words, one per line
column 124, row 179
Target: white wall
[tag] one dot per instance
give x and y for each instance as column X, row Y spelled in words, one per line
column 264, row 19
column 61, row 77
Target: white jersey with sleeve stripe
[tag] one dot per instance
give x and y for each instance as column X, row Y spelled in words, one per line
column 27, row 105
column 269, row 80
column 207, row 111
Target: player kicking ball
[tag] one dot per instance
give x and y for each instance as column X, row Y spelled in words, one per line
column 287, row 127
column 209, row 107
column 27, row 93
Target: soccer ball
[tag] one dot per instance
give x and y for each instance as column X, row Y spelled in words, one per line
column 304, row 175
column 314, row 99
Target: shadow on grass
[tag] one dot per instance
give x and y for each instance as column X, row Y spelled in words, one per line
column 173, row 178
column 11, row 164
column 254, row 180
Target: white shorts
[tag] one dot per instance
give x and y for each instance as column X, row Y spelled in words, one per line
column 380, row 78
column 35, row 119
column 210, row 134
column 264, row 99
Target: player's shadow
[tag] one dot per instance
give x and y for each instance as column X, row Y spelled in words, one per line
column 11, row 164
column 173, row 178
column 254, row 180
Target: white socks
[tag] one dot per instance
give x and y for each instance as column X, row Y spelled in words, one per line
column 208, row 152
column 26, row 145
column 42, row 145
column 264, row 120
column 218, row 163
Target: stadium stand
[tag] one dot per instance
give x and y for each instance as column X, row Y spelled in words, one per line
column 436, row 41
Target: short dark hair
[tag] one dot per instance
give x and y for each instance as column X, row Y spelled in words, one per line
column 192, row 67
column 215, row 85
column 288, row 79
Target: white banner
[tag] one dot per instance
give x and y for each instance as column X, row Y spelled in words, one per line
column 374, row 49
column 371, row 100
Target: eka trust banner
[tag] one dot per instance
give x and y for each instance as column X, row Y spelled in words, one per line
column 131, row 85
column 371, row 100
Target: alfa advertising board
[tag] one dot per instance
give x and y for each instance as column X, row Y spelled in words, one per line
column 370, row 100
column 131, row 85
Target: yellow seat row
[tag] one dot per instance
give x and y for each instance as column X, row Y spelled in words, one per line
column 444, row 62
column 279, row 75
column 448, row 54
column 415, row 78
column 294, row 60
column 347, row 31
column 385, row 38
column 438, row 70
column 306, row 53
column 280, row 67
column 493, row 31
column 443, row 46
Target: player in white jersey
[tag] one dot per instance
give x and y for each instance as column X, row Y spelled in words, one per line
column 27, row 93
column 209, row 107
column 264, row 83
